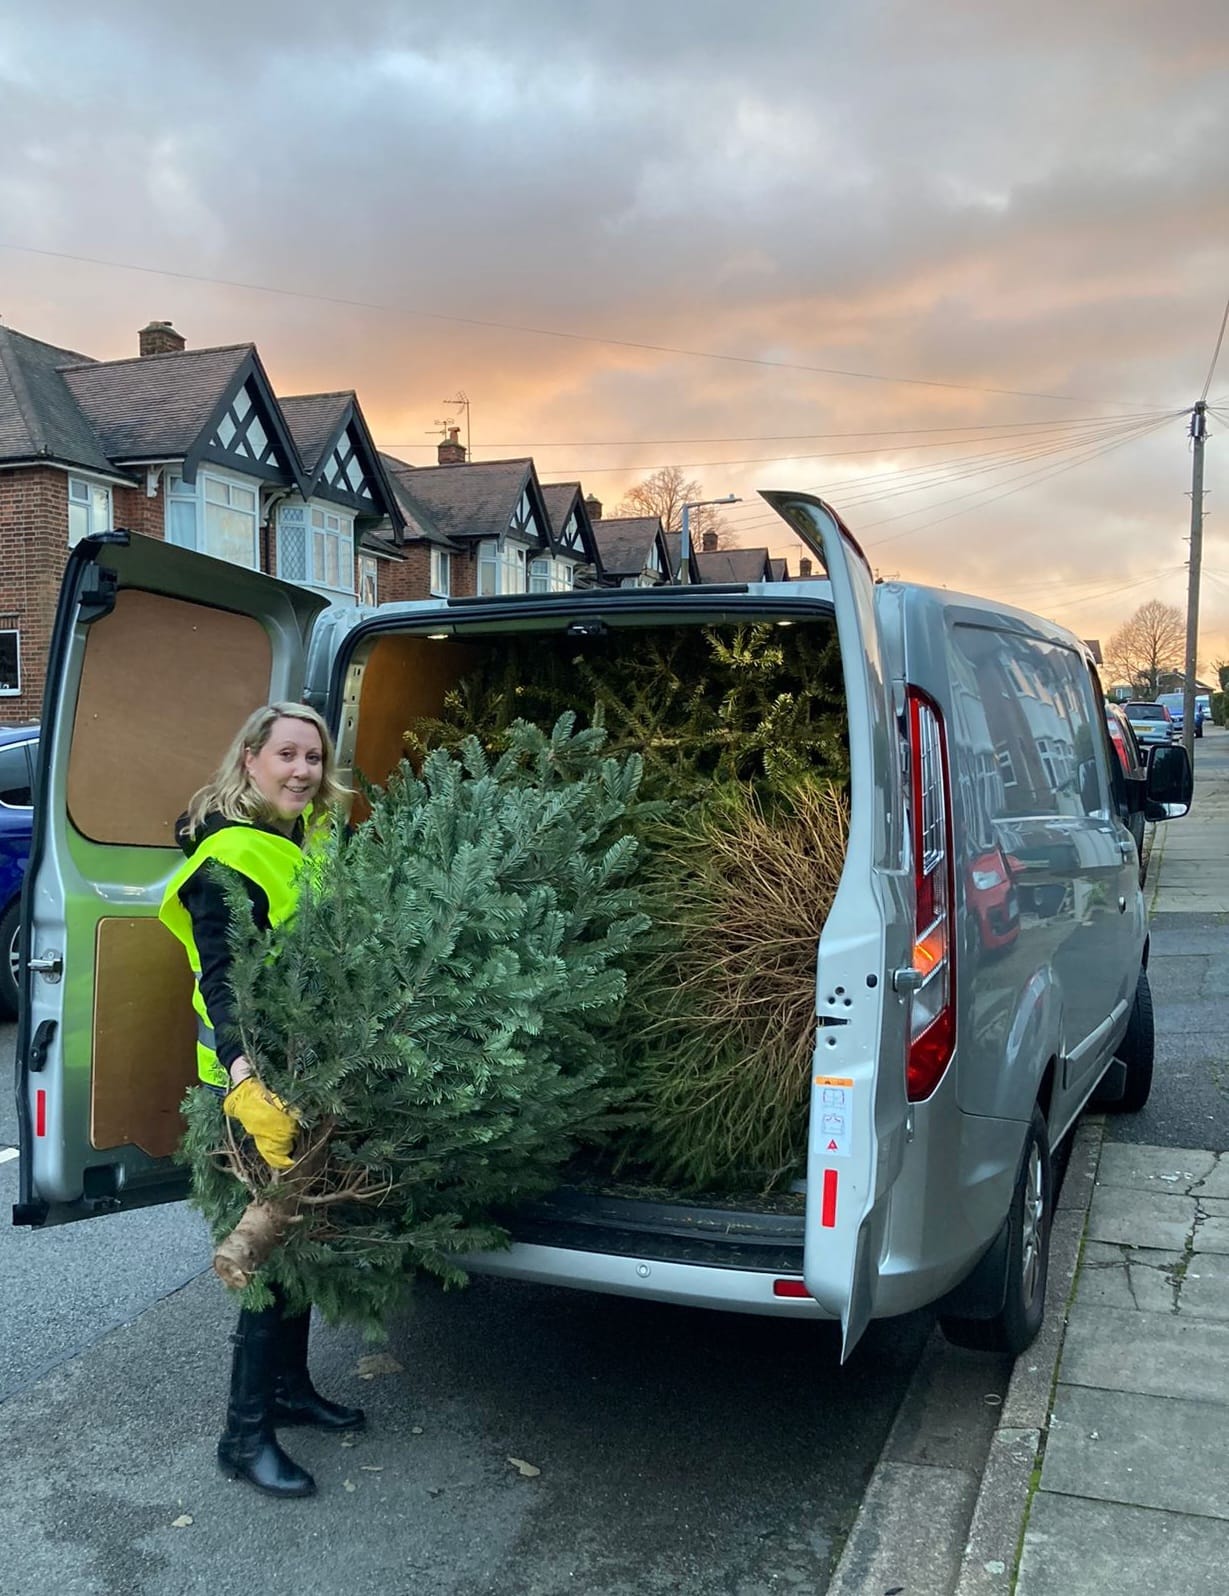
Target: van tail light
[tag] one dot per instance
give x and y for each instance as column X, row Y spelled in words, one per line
column 932, row 1033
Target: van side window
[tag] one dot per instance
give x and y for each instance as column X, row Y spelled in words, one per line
column 1030, row 710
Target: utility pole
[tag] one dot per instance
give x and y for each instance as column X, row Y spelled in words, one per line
column 1199, row 432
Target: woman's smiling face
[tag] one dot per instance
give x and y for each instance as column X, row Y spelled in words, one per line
column 287, row 771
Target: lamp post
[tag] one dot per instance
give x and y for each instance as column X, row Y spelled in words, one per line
column 683, row 573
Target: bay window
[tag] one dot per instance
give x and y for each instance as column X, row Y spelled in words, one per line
column 215, row 515
column 501, row 568
column 441, row 573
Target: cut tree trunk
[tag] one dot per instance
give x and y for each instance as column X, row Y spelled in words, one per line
column 238, row 1258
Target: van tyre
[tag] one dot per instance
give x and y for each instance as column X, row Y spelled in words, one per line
column 10, row 933
column 1017, row 1322
column 1137, row 1051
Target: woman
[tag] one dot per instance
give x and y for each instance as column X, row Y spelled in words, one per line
column 273, row 796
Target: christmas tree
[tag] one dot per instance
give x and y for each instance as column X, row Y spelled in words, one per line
column 438, row 1014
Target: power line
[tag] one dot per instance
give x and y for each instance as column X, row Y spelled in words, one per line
column 791, row 437
column 1025, row 481
column 1022, row 482
column 940, row 474
column 1215, row 353
column 537, row 332
column 826, row 454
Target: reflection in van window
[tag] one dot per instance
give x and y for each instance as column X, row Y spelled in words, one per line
column 1030, row 717
column 15, row 777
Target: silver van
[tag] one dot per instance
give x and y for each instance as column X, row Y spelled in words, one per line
column 981, row 974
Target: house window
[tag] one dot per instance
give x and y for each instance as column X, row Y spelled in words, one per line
column 547, row 575
column 89, row 509
column 441, row 573
column 215, row 515
column 10, row 662
column 368, row 579
column 501, row 568
column 316, row 547
column 332, row 551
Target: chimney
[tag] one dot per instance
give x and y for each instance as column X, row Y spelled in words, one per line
column 451, row 451
column 160, row 338
column 708, row 543
column 804, row 566
column 594, row 506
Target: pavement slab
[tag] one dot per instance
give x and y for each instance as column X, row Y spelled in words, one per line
column 1142, row 1218
column 1142, row 1278
column 1155, row 1354
column 1164, row 1169
column 1079, row 1547
column 1147, row 1450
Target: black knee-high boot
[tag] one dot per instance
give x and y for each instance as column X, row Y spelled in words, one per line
column 296, row 1399
column 249, row 1450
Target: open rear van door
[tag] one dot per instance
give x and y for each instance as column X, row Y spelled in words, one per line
column 157, row 656
column 858, row 1096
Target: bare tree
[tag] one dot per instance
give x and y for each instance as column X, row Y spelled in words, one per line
column 1148, row 647
column 664, row 494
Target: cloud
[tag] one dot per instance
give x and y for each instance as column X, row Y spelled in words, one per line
column 1032, row 201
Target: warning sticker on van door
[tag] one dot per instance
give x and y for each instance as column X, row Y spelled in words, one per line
column 835, row 1115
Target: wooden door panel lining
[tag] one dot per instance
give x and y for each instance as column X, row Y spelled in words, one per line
column 404, row 679
column 165, row 686
column 143, row 1054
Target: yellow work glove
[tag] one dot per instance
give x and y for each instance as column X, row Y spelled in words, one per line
column 267, row 1120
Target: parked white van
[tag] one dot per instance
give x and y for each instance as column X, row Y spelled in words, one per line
column 982, row 972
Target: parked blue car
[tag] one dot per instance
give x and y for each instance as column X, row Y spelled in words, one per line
column 18, row 757
column 1173, row 703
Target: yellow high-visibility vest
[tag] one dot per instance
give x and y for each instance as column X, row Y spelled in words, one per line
column 273, row 862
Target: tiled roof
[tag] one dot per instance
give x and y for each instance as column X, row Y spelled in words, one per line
column 313, row 420
column 39, row 418
column 625, row 543
column 418, row 523
column 154, row 406
column 780, row 569
column 559, row 498
column 461, row 501
column 732, row 565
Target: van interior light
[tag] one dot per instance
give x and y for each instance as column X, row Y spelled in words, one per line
column 438, row 637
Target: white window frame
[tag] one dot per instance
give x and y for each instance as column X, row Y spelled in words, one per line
column 441, row 573
column 368, row 591
column 502, row 567
column 15, row 633
column 180, row 494
column 330, row 530
column 94, row 498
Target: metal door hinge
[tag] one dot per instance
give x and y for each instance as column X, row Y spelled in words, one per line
column 49, row 965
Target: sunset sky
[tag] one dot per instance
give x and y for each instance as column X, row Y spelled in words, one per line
column 958, row 267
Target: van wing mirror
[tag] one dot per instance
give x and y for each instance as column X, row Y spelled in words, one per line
column 1171, row 782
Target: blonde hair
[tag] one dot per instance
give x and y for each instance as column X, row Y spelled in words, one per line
column 233, row 793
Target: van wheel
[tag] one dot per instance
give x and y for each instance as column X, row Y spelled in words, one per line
column 1137, row 1051
column 1017, row 1322
column 10, row 932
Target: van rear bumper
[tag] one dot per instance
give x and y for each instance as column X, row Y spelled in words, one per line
column 687, row 1284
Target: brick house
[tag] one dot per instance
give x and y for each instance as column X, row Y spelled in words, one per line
column 192, row 446
column 489, row 527
column 634, row 550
